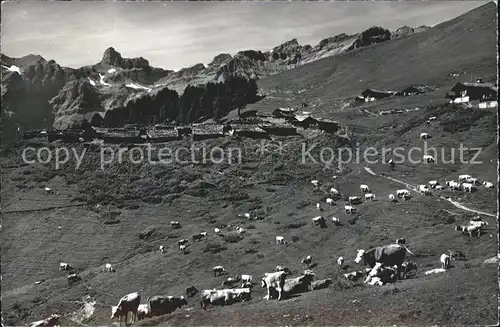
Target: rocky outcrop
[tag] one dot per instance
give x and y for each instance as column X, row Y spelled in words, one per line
column 26, row 96
column 406, row 30
column 77, row 101
column 114, row 58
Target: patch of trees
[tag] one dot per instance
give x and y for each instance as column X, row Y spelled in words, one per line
column 197, row 102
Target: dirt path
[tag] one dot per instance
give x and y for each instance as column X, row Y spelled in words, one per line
column 414, row 188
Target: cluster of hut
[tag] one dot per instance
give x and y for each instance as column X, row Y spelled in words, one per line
column 462, row 92
column 282, row 121
column 370, row 95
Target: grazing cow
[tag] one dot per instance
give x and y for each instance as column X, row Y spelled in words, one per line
column 200, row 236
column 402, row 193
column 214, row 297
column 353, row 276
column 276, row 281
column 315, row 183
column 330, row 201
column 65, row 266
column 219, row 270
column 334, row 192
column 470, row 229
column 73, row 278
column 424, row 136
column 439, row 187
column 478, row 222
column 407, row 267
column 280, row 240
column 429, row 159
column 217, row 231
column 318, row 206
column 319, row 221
column 225, row 296
column 340, row 262
column 320, row 284
column 48, row 190
column 299, row 284
column 433, row 184
column 175, row 224
column 387, row 255
column 454, row 185
column 231, row 280
column 488, row 184
column 183, row 241
column 246, row 278
column 401, row 240
column 353, row 199
column 463, row 178
column 247, row 215
column 53, row 320
column 240, row 230
column 445, row 261
column 162, row 249
column 473, row 181
column 142, row 311
column 432, row 118
column 369, row 197
column 456, row 255
column 110, row 268
column 283, row 268
column 336, row 221
column 392, row 198
column 307, row 261
column 240, row 294
column 191, row 291
column 468, row 187
column 349, row 209
column 183, row 248
column 435, row 271
column 161, row 305
column 128, row 303
column 364, row 188
column 424, row 189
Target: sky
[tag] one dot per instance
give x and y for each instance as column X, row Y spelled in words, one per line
column 173, row 35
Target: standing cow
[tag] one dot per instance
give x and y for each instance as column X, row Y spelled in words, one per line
column 387, row 255
column 128, row 303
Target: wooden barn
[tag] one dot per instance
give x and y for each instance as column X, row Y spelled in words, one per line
column 411, row 90
column 118, row 135
column 475, row 91
column 34, row 133
column 283, row 112
column 279, row 129
column 207, row 131
column 162, row 135
column 327, row 125
column 371, row 93
column 248, row 130
column 304, row 121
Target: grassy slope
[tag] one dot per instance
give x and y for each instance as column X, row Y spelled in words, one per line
column 278, row 187
column 422, row 58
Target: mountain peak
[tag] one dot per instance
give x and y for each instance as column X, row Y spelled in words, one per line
column 112, row 57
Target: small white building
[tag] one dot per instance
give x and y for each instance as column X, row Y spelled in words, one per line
column 488, row 104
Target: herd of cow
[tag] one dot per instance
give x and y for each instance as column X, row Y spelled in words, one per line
column 386, row 264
